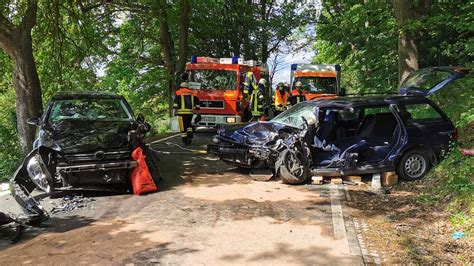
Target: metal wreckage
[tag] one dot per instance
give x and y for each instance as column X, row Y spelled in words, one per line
column 84, row 142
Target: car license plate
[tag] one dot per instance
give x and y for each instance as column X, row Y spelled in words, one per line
column 208, row 119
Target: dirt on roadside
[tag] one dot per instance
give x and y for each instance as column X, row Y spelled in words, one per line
column 404, row 230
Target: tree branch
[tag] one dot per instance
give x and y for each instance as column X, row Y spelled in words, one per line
column 29, row 19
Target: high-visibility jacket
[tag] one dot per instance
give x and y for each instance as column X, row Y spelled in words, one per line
column 256, row 102
column 281, row 100
column 249, row 84
column 296, row 97
column 186, row 102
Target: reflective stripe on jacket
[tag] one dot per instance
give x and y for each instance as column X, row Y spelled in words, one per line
column 186, row 103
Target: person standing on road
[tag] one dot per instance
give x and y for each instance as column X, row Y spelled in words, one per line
column 249, row 84
column 280, row 98
column 297, row 94
column 257, row 100
column 186, row 103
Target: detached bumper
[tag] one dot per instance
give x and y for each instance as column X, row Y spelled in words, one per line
column 89, row 167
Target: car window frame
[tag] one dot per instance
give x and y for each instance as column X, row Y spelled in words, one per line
column 430, row 103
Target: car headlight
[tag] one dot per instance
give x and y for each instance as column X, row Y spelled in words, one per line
column 230, row 120
column 216, row 140
column 37, row 174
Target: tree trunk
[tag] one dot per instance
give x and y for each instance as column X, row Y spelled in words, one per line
column 27, row 89
column 407, row 11
column 167, row 47
column 183, row 36
column 17, row 43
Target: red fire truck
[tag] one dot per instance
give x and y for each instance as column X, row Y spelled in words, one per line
column 218, row 85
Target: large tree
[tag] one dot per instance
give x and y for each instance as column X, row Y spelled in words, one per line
column 407, row 12
column 16, row 41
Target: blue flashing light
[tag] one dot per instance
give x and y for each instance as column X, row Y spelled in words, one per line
column 338, row 67
column 235, row 59
column 193, row 59
column 293, row 66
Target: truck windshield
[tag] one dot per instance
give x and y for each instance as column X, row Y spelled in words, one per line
column 89, row 109
column 318, row 84
column 213, row 79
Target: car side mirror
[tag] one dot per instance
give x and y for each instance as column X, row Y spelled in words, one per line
column 343, row 92
column 33, row 121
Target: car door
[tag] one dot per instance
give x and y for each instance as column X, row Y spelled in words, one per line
column 427, row 81
column 426, row 125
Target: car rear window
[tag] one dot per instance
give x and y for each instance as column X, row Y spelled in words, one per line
column 423, row 113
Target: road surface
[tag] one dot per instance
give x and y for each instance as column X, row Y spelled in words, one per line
column 206, row 212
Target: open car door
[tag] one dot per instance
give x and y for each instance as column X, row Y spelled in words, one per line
column 427, row 81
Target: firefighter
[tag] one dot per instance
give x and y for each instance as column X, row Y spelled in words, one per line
column 297, row 94
column 280, row 98
column 257, row 100
column 249, row 84
column 186, row 103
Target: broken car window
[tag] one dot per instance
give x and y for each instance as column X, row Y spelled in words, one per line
column 89, row 109
column 292, row 117
column 425, row 78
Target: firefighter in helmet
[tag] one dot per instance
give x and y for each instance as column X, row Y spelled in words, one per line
column 280, row 98
column 297, row 94
column 186, row 103
column 257, row 100
column 249, row 84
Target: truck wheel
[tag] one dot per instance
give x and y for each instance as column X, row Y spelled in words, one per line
column 293, row 167
column 414, row 164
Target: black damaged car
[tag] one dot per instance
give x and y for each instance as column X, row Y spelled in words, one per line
column 84, row 141
column 406, row 133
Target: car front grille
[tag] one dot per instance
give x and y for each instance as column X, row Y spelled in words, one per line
column 98, row 156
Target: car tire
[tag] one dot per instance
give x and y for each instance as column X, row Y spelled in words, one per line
column 414, row 164
column 293, row 167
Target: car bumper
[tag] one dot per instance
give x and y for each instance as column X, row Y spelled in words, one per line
column 214, row 120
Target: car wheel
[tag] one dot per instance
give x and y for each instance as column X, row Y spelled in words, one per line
column 414, row 164
column 293, row 167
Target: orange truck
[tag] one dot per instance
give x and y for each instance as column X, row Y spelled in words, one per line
column 218, row 84
column 318, row 81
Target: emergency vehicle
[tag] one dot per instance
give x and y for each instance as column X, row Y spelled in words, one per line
column 218, row 83
column 318, row 81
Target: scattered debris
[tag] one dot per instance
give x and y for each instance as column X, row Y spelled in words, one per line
column 336, row 180
column 70, row 203
column 9, row 221
column 458, row 235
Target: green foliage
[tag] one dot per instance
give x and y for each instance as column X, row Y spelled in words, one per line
column 363, row 39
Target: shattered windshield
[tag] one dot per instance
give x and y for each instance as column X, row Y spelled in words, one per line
column 89, row 109
column 292, row 117
column 318, row 84
column 213, row 79
column 425, row 79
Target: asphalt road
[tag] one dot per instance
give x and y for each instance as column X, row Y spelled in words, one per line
column 206, row 212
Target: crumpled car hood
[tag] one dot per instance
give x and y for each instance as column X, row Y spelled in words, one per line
column 254, row 133
column 76, row 136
